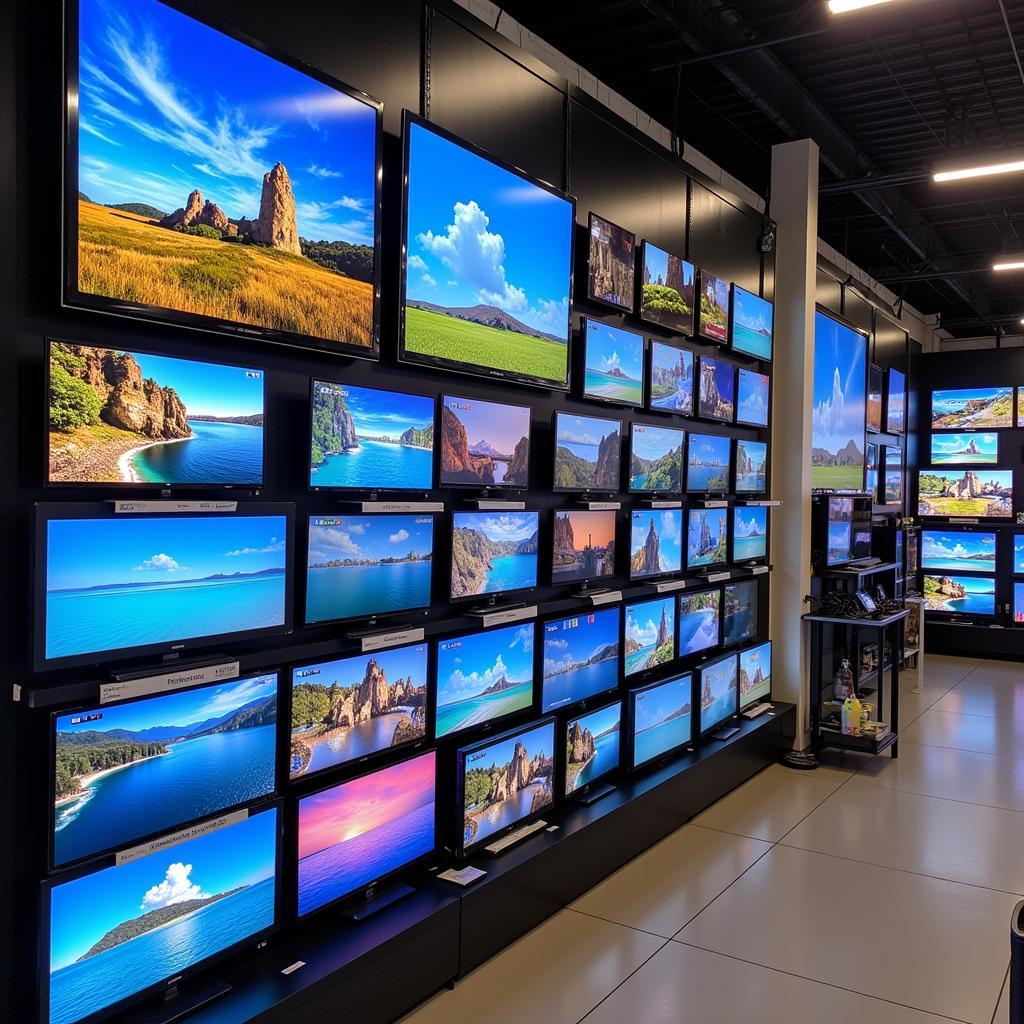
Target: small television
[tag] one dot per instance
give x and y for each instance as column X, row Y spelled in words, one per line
column 484, row 444
column 661, row 719
column 964, row 551
column 670, row 380
column 120, row 933
column 713, row 307
column 976, row 493
column 873, row 408
column 959, row 596
column 580, row 657
column 1018, row 603
column 755, row 675
column 749, row 533
column 611, row 264
column 716, row 389
column 840, row 530
column 656, row 542
column 110, row 586
column 583, row 546
column 700, row 621
column 871, row 467
column 751, row 467
column 131, row 419
column 487, row 808
column 493, row 553
column 588, row 451
column 649, row 635
column 592, row 748
column 708, row 463
column 892, row 481
column 740, row 612
column 353, row 835
column 667, row 293
column 1018, row 553
column 707, row 538
column 362, row 566
column 349, row 709
column 481, row 677
column 719, row 693
column 969, row 448
column 972, row 409
column 896, row 402
column 1020, row 408
column 753, row 397
column 751, row 325
column 655, row 459
column 613, row 364
column 365, row 439
column 126, row 771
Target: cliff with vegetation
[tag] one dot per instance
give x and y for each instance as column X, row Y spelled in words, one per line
column 473, row 553
column 577, row 474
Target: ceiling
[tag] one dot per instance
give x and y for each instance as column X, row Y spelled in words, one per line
column 886, row 92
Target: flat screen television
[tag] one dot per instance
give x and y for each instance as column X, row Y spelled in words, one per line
column 199, row 169
column 580, row 657
column 970, row 448
column 592, row 747
column 707, row 538
column 1018, row 603
column 840, row 530
column 749, row 533
column 972, row 409
column 892, row 489
column 110, row 586
column 656, row 542
column 713, row 307
column 751, row 467
column 354, row 834
column 740, row 612
column 980, row 493
column 588, row 453
column 1020, row 408
column 753, row 397
column 127, row 771
column 362, row 566
column 349, row 709
column 871, row 467
column 873, row 408
column 708, row 463
column 755, row 675
column 649, row 635
column 700, row 621
column 485, row 809
column 963, row 551
column 661, row 719
column 613, row 364
column 1018, row 553
column 365, row 439
column 719, row 693
column 896, row 402
column 716, row 390
column 487, row 263
column 493, row 553
column 113, row 936
column 959, row 595
column 751, row 325
column 655, row 459
column 611, row 264
column 670, row 379
column 481, row 677
column 583, row 545
column 667, row 290
column 130, row 418
column 484, row 444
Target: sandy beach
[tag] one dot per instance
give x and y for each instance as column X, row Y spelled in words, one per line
column 86, row 781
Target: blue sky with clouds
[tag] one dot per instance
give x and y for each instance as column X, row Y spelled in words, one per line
column 577, row 638
column 668, row 525
column 399, row 662
column 207, row 389
column 611, row 348
column 539, row 741
column 642, row 620
column 380, row 413
column 840, row 385
column 370, row 537
column 467, row 665
column 655, row 705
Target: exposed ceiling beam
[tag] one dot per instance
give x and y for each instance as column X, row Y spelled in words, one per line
column 873, row 181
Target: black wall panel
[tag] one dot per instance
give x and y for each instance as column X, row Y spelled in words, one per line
column 859, row 312
column 890, row 348
column 723, row 238
column 829, row 292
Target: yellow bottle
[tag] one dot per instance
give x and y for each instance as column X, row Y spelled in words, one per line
column 851, row 716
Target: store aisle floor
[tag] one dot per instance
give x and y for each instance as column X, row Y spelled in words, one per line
column 869, row 890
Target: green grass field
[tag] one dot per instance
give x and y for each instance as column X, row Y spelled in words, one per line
column 445, row 337
column 838, row 478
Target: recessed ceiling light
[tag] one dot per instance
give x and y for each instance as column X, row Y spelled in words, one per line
column 986, row 170
column 845, row 6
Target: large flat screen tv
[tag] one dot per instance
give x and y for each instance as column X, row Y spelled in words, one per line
column 583, row 546
column 892, row 480
column 484, row 444
column 700, row 621
column 121, row 933
column 708, row 463
column 362, row 566
column 213, row 184
column 592, row 747
column 972, row 409
column 719, row 693
column 649, row 635
column 666, row 290
column 655, row 459
column 876, row 386
column 751, row 467
column 740, row 607
column 959, row 595
column 970, row 448
column 1018, row 553
column 611, row 265
column 896, row 402
column 661, row 719
column 751, row 324
column 755, row 675
column 349, row 709
column 871, row 467
column 356, row 833
column 493, row 553
column 131, row 418
column 749, row 533
column 580, row 657
column 656, row 542
column 713, row 309
column 613, row 364
column 110, row 586
column 487, row 263
column 716, row 392
column 707, row 544
column 959, row 551
column 670, row 381
column 588, row 452
column 753, row 391
column 980, row 493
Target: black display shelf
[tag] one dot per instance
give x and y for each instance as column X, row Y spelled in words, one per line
column 868, row 623
column 867, row 744
column 858, row 571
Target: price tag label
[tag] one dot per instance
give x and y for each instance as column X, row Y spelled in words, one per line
column 393, row 638
column 123, row 688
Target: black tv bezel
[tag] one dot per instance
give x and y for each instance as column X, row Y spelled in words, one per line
column 253, row 942
column 708, row 566
column 874, row 370
column 480, row 485
column 965, row 616
column 739, row 667
column 873, row 491
column 600, row 399
column 736, row 464
column 952, row 430
column 46, row 512
column 705, row 652
column 886, row 500
column 890, row 429
column 710, row 727
column 699, row 326
column 410, row 119
column 755, row 632
column 682, row 459
column 569, row 581
column 139, row 485
column 72, row 297
column 932, row 434
column 314, row 380
column 729, row 470
column 714, row 358
column 649, row 382
column 686, row 331
column 1007, row 520
column 973, row 531
column 582, row 703
column 489, row 594
column 665, row 755
column 821, row 503
column 621, row 308
column 733, row 288
column 736, row 509
column 736, row 389
column 570, row 720
column 627, row 606
column 554, row 436
column 642, row 579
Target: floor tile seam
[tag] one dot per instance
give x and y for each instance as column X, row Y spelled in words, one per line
column 608, row 995
column 963, row 750
column 620, row 924
column 969, row 714
column 845, row 782
column 932, row 796
column 999, row 998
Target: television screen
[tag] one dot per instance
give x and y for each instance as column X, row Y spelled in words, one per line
column 984, row 493
column 670, row 384
column 592, row 746
column 650, row 638
column 972, row 409
column 837, row 430
column 1018, row 602
column 366, row 439
column 611, row 267
column 487, row 263
column 1020, row 408
column 111, row 585
column 749, row 533
column 755, row 675
column 717, row 389
column 358, row 832
column 964, row 551
column 706, row 538
column 583, row 546
column 662, row 718
column 484, row 444
column 876, row 382
column 350, row 708
column 846, row 529
column 751, row 325
column 118, row 417
column 122, row 931
column 483, row 676
column 667, row 290
column 361, row 566
column 719, row 693
column 896, row 405
column 581, row 657
column 505, row 780
column 960, row 595
column 699, row 621
column 972, row 448
column 893, row 491
column 613, row 363
column 493, row 552
column 713, row 315
column 708, row 463
column 871, row 469
column 752, row 397
column 587, row 453
column 1018, row 553
column 201, row 171
column 656, row 542
column 740, row 612
column 655, row 459
column 751, row 467
column 139, row 768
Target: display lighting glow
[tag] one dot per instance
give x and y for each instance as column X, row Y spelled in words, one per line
column 845, row 6
column 1016, row 264
column 981, row 171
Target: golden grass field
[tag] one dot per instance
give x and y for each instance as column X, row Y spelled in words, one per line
column 126, row 257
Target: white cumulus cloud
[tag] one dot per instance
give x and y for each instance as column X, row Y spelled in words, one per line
column 177, row 887
column 160, row 563
column 397, row 538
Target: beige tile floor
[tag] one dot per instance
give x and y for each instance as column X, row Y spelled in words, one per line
column 871, row 890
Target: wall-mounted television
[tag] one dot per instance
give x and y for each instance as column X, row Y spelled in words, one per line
column 972, row 409
column 611, row 264
column 751, row 467
column 656, row 542
column 592, row 747
column 713, row 308
column 716, row 391
column 487, row 263
column 707, row 538
column 649, row 635
column 959, row 595
column 892, row 489
column 200, row 190
column 962, row 551
column 583, row 545
column 871, row 467
column 749, row 533
column 484, row 444
column 753, row 396
column 613, row 364
column 670, row 384
column 981, row 493
column 493, row 553
column 655, row 459
column 751, row 325
column 1018, row 553
column 708, row 463
column 755, row 675
column 588, row 453
column 661, row 719
column 666, row 290
column 840, row 530
column 876, row 387
column 700, row 621
column 740, row 612
column 580, row 657
column 1018, row 603
column 896, row 402
column 970, row 448
column 349, row 709
column 719, row 693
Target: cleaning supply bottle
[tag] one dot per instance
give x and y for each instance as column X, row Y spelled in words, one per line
column 843, row 683
column 851, row 715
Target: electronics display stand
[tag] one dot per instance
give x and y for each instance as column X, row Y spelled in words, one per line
column 654, row 501
column 597, row 595
column 492, row 499
column 593, row 794
column 139, row 670
column 598, row 504
column 375, row 501
column 374, row 900
column 724, row 732
column 179, row 1004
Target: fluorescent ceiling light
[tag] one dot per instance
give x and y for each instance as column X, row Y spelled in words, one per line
column 845, row 6
column 1017, row 264
column 980, row 171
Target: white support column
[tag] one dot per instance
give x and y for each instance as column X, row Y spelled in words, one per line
column 794, row 206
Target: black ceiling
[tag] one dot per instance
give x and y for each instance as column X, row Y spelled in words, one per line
column 886, row 92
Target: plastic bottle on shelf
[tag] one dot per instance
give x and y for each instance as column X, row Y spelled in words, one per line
column 851, row 716
column 843, row 683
